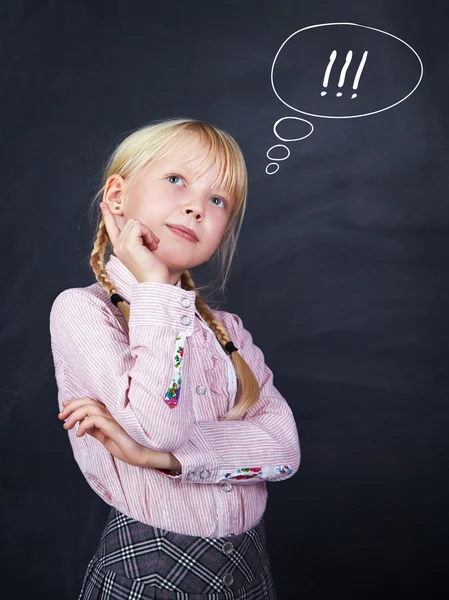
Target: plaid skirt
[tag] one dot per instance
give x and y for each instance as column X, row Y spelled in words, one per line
column 135, row 561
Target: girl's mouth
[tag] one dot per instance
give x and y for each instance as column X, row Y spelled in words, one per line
column 182, row 234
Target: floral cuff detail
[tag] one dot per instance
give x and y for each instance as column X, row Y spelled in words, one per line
column 172, row 394
column 266, row 473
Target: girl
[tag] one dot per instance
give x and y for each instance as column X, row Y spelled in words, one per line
column 184, row 424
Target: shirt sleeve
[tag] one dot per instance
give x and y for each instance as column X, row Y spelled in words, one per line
column 139, row 378
column 263, row 446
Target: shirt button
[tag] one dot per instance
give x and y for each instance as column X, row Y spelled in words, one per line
column 227, row 548
column 185, row 320
column 228, row 579
column 205, row 474
column 190, row 475
column 200, row 390
column 185, row 302
column 227, row 487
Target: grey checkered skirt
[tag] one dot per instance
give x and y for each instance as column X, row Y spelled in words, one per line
column 135, row 561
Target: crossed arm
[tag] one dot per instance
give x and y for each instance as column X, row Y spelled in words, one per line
column 137, row 381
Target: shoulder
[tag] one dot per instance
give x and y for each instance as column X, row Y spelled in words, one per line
column 242, row 339
column 234, row 325
column 74, row 302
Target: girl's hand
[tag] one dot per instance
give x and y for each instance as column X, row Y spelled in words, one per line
column 135, row 245
column 96, row 420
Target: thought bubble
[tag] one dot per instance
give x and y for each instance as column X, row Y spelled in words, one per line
column 356, row 71
column 268, row 169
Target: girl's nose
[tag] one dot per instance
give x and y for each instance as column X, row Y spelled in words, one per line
column 194, row 206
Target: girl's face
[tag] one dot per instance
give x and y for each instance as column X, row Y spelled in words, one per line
column 165, row 194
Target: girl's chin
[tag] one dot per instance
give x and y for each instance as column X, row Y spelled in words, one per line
column 180, row 267
column 176, row 261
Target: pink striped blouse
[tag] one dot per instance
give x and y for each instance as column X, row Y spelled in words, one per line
column 166, row 383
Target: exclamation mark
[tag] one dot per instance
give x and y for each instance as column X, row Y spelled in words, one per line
column 345, row 67
column 327, row 74
column 359, row 73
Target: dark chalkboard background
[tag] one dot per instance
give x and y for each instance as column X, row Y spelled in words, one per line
column 341, row 275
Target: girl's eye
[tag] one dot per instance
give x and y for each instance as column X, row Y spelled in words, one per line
column 175, row 179
column 217, row 198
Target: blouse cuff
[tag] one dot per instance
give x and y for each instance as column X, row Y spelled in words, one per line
column 161, row 305
column 198, row 461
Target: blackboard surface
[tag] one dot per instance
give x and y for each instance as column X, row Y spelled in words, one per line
column 341, row 273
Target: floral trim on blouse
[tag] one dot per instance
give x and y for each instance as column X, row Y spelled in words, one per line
column 172, row 394
column 262, row 472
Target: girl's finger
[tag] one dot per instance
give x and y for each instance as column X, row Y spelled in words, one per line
column 113, row 438
column 73, row 400
column 98, row 421
column 70, row 405
column 82, row 412
column 105, row 431
column 131, row 230
column 140, row 230
column 120, row 221
column 110, row 224
column 150, row 235
column 151, row 239
column 150, row 243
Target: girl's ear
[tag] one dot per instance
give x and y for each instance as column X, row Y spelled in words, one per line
column 113, row 188
column 113, row 193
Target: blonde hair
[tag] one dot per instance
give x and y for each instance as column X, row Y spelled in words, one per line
column 152, row 142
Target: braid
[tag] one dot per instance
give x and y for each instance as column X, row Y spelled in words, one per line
column 97, row 264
